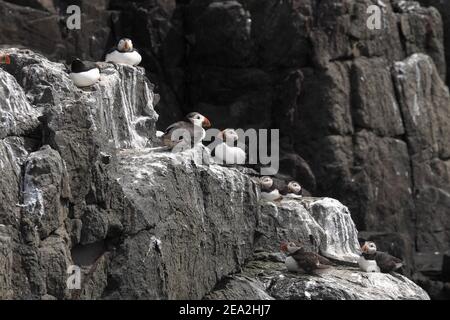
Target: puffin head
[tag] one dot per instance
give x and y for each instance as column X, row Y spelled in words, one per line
column 76, row 64
column 229, row 135
column 369, row 247
column 287, row 246
column 294, row 187
column 125, row 45
column 266, row 182
column 198, row 120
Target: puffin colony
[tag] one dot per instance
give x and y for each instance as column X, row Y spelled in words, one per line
column 87, row 73
column 190, row 132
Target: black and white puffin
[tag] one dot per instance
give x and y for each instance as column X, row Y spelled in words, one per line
column 292, row 189
column 84, row 73
column 367, row 265
column 124, row 53
column 298, row 259
column 269, row 191
column 227, row 151
column 385, row 261
column 186, row 134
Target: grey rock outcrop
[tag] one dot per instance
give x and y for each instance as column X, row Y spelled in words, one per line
column 49, row 191
column 323, row 225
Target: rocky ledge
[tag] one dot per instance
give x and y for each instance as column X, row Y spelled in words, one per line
column 79, row 186
column 268, row 280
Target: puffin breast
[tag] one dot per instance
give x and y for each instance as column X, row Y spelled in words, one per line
column 292, row 265
column 86, row 78
column 129, row 58
column 226, row 154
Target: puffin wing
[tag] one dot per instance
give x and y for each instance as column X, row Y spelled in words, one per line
column 282, row 187
column 174, row 126
column 323, row 260
column 111, row 50
column 168, row 138
column 307, row 261
column 177, row 132
column 386, row 262
column 284, row 190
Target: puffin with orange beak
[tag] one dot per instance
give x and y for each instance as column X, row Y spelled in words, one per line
column 384, row 261
column 186, row 134
column 300, row 260
column 124, row 53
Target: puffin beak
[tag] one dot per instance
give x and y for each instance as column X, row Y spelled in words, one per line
column 206, row 123
column 283, row 246
column 364, row 248
column 126, row 46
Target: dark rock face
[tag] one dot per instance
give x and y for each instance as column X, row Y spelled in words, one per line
column 46, row 30
column 425, row 108
column 444, row 9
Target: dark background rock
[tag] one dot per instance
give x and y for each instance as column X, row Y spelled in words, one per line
column 444, row 10
column 446, row 267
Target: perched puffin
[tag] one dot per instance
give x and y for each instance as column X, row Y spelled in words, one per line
column 299, row 259
column 84, row 73
column 226, row 152
column 124, row 53
column 269, row 191
column 186, row 134
column 385, row 261
column 293, row 189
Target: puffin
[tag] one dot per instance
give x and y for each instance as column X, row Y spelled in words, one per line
column 226, row 152
column 124, row 53
column 84, row 73
column 269, row 191
column 293, row 189
column 186, row 134
column 298, row 259
column 366, row 264
column 384, row 261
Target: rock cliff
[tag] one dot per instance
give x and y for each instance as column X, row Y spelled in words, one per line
column 363, row 113
column 79, row 186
